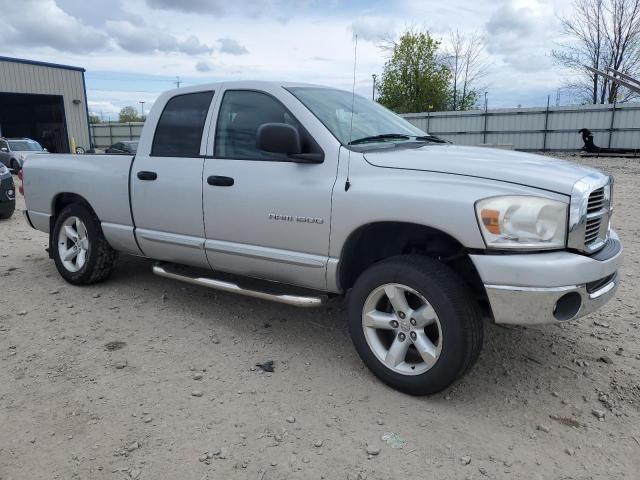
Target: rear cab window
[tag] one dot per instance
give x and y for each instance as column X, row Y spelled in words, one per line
column 180, row 126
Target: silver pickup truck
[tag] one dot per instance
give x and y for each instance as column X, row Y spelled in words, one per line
column 297, row 193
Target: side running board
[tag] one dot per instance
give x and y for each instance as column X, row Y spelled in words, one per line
column 259, row 289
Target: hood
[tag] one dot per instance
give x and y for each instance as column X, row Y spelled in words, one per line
column 536, row 171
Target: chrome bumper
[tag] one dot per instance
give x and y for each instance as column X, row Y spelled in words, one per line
column 535, row 305
column 549, row 287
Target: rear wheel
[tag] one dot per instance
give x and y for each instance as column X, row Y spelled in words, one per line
column 415, row 324
column 80, row 250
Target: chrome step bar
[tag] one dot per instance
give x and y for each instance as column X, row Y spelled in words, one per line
column 227, row 286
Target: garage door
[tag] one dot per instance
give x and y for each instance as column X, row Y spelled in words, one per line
column 40, row 117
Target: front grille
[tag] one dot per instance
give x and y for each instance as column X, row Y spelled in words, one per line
column 592, row 230
column 597, row 225
column 589, row 213
column 596, row 200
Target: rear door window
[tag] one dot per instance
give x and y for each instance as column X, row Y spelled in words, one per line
column 180, row 127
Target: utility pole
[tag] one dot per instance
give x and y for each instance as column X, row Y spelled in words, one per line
column 142, row 109
column 177, row 82
column 373, row 91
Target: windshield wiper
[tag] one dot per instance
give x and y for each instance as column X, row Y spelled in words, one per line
column 431, row 138
column 399, row 136
column 373, row 138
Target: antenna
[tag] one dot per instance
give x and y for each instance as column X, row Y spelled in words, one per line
column 347, row 184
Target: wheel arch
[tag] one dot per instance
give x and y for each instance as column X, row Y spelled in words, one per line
column 373, row 242
column 63, row 199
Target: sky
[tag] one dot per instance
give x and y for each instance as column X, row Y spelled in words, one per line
column 133, row 50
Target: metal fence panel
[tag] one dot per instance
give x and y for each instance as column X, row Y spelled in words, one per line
column 553, row 128
column 104, row 135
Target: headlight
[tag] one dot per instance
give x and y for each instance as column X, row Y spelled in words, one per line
column 3, row 170
column 522, row 222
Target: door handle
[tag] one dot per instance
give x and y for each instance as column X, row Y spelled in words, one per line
column 219, row 181
column 147, row 175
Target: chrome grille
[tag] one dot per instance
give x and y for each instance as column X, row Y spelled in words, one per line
column 595, row 206
column 596, row 200
column 590, row 212
column 592, row 230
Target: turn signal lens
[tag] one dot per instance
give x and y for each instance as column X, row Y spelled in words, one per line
column 490, row 219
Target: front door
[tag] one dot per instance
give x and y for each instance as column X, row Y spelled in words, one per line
column 265, row 216
column 166, row 183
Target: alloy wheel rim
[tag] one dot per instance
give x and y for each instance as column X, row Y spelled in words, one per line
column 402, row 329
column 73, row 244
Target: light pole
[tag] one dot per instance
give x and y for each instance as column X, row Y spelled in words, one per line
column 142, row 109
column 373, row 90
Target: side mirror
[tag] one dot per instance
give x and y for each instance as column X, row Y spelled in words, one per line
column 284, row 138
column 278, row 138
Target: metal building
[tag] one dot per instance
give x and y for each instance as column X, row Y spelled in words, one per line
column 44, row 101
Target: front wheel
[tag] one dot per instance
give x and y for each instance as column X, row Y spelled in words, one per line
column 415, row 324
column 80, row 250
column 15, row 166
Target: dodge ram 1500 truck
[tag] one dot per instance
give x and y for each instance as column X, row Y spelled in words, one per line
column 295, row 193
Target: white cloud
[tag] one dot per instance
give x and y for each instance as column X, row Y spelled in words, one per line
column 203, row 66
column 105, row 109
column 231, row 46
column 199, row 6
column 372, row 29
column 521, row 32
column 41, row 23
column 144, row 39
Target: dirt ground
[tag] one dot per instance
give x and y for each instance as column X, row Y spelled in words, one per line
column 143, row 377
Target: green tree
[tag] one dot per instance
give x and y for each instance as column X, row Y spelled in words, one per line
column 414, row 77
column 129, row 114
column 93, row 118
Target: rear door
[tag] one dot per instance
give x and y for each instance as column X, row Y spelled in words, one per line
column 166, row 182
column 265, row 215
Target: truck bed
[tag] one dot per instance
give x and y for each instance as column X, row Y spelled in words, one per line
column 101, row 180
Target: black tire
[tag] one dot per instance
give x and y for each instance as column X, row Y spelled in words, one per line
column 7, row 212
column 15, row 166
column 100, row 259
column 458, row 312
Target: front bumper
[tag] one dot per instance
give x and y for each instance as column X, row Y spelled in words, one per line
column 549, row 287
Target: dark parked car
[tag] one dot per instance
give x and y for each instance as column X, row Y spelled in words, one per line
column 7, row 193
column 130, row 147
column 13, row 151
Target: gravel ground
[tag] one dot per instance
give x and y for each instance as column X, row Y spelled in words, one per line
column 142, row 377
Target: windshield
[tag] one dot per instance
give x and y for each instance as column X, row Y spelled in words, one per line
column 25, row 146
column 370, row 119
